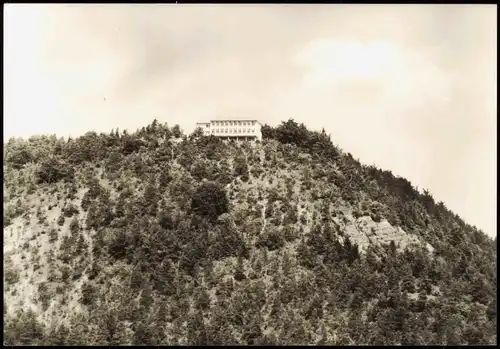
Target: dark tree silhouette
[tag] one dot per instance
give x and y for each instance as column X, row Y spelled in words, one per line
column 209, row 200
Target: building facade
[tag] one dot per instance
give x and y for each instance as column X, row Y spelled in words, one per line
column 232, row 129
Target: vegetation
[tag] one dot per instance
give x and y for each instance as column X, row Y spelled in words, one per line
column 156, row 238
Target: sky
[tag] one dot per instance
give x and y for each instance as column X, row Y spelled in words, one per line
column 408, row 88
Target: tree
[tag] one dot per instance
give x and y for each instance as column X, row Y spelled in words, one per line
column 58, row 336
column 143, row 335
column 241, row 168
column 53, row 171
column 239, row 274
column 151, row 199
column 23, row 329
column 267, row 132
column 210, row 200
column 17, row 158
column 197, row 133
column 491, row 312
column 176, row 131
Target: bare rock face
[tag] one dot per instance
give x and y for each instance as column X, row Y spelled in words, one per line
column 364, row 231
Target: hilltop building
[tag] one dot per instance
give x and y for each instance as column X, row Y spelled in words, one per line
column 244, row 129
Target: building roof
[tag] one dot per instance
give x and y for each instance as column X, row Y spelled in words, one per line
column 236, row 119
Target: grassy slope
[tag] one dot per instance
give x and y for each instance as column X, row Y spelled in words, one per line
column 303, row 256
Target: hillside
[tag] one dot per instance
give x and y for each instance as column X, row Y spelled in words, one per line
column 156, row 238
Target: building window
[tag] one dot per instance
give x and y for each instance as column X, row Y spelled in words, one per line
column 253, row 123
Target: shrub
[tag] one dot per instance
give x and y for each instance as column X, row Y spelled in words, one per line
column 74, row 226
column 61, row 220
column 70, row 210
column 53, row 235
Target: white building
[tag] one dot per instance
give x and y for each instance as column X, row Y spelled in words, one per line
column 232, row 128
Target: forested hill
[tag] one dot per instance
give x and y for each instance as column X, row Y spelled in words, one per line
column 160, row 238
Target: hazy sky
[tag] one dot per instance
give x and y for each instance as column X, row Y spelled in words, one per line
column 410, row 88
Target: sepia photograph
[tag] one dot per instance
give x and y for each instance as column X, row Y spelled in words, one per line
column 249, row 174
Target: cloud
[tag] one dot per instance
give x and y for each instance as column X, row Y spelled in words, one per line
column 370, row 85
column 332, row 59
column 397, row 75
